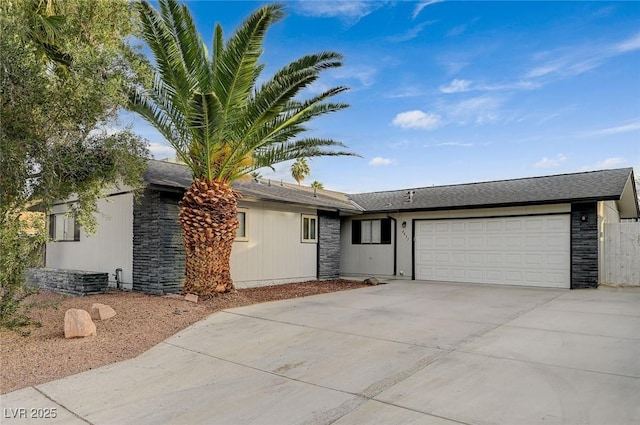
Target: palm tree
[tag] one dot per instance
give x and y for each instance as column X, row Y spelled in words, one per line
column 300, row 169
column 317, row 185
column 222, row 125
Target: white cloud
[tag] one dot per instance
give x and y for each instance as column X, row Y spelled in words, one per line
column 405, row 92
column 363, row 74
column 417, row 119
column 421, row 5
column 476, row 110
column 457, row 30
column 456, row 86
column 161, row 151
column 632, row 43
column 456, row 144
column 517, row 85
column 352, row 11
column 550, row 162
column 409, row 34
column 379, row 161
column 569, row 61
column 611, row 162
column 624, row 128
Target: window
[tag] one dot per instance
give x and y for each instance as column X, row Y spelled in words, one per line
column 371, row 231
column 309, row 228
column 241, row 232
column 63, row 227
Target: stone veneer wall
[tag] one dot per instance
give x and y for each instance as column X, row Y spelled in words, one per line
column 584, row 246
column 328, row 246
column 72, row 282
column 158, row 248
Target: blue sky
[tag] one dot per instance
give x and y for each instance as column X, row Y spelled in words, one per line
column 454, row 92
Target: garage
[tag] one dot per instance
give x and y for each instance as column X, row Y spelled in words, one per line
column 529, row 250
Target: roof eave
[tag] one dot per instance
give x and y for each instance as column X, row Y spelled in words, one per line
column 627, row 203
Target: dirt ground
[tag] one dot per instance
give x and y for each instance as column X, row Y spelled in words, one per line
column 141, row 322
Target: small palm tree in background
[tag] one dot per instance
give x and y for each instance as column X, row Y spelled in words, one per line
column 317, row 185
column 300, row 169
column 223, row 125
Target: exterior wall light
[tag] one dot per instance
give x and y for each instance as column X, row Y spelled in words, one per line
column 404, row 224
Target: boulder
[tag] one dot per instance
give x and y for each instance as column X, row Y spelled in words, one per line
column 78, row 323
column 102, row 311
column 371, row 281
column 191, row 298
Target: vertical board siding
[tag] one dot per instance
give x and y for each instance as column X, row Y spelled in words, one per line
column 364, row 259
column 274, row 252
column 622, row 254
column 104, row 251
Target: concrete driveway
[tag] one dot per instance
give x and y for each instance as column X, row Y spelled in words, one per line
column 402, row 353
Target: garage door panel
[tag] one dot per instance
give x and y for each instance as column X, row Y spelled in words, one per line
column 534, row 260
column 475, row 258
column 513, row 275
column 458, row 227
column 494, row 258
column 555, row 224
column 475, row 226
column 494, row 241
column 476, row 242
column 494, row 226
column 513, row 225
column 513, row 242
column 514, row 260
column 512, row 250
column 458, row 273
column 556, row 241
column 442, row 227
column 442, row 257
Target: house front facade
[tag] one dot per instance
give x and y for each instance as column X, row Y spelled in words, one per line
column 286, row 234
column 542, row 231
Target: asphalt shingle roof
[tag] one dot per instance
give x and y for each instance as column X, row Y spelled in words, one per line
column 563, row 188
column 170, row 175
column 594, row 185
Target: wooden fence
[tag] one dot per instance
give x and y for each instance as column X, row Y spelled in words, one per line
column 621, row 254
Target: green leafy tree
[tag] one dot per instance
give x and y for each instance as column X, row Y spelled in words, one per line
column 316, row 184
column 300, row 170
column 65, row 71
column 223, row 124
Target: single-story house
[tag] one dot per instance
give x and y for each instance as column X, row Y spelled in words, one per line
column 540, row 231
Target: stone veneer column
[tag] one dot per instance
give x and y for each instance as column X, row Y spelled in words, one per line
column 158, row 247
column 584, row 246
column 328, row 245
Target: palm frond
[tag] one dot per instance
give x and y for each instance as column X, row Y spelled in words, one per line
column 235, row 65
column 301, row 148
column 210, row 108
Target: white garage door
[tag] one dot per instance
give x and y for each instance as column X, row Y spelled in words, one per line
column 531, row 250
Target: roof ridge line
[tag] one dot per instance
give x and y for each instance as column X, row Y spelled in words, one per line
column 494, row 181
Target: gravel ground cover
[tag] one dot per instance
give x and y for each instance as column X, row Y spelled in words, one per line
column 142, row 321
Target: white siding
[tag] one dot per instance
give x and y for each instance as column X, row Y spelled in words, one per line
column 365, row 259
column 378, row 260
column 273, row 252
column 111, row 247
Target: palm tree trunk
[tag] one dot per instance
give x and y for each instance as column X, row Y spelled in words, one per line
column 209, row 219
